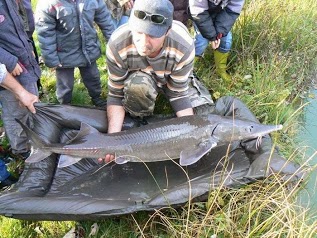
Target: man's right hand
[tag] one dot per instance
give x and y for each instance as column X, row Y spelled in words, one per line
column 107, row 159
column 215, row 44
column 115, row 116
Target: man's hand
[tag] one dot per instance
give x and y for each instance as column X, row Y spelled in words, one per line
column 115, row 116
column 128, row 5
column 17, row 70
column 107, row 159
column 27, row 99
column 215, row 44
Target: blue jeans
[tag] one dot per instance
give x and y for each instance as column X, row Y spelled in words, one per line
column 124, row 19
column 201, row 43
column 3, row 171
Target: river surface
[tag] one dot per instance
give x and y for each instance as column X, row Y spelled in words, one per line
column 308, row 139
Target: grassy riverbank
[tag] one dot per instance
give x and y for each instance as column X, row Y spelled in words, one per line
column 273, row 56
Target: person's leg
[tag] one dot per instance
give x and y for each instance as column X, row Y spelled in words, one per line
column 12, row 110
column 200, row 43
column 91, row 79
column 200, row 97
column 225, row 43
column 221, row 57
column 140, row 92
column 64, row 85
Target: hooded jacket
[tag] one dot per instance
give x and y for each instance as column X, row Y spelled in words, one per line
column 15, row 46
column 66, row 31
column 215, row 16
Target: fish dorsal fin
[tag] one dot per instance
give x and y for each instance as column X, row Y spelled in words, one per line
column 192, row 155
column 85, row 130
column 67, row 160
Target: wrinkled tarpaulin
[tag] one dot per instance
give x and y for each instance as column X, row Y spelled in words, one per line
column 88, row 190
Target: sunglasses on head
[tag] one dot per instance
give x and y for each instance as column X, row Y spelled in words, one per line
column 155, row 18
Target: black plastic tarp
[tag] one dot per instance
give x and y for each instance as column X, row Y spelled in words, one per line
column 88, row 190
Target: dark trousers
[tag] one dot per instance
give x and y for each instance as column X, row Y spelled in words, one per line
column 65, row 82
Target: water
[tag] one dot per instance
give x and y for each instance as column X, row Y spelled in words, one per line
column 308, row 137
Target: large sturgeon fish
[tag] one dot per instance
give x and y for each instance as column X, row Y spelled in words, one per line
column 188, row 138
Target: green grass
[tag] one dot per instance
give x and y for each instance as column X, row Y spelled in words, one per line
column 273, row 56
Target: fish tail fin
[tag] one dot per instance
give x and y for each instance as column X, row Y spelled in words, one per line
column 38, row 143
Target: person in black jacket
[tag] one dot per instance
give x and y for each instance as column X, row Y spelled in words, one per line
column 213, row 20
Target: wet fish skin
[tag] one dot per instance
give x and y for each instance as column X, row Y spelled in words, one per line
column 188, row 138
column 231, row 129
column 163, row 141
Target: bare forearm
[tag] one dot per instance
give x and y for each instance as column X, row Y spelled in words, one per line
column 115, row 116
column 25, row 97
column 10, row 83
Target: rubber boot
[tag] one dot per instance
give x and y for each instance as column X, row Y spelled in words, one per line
column 221, row 65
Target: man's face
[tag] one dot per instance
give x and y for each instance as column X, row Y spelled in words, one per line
column 147, row 45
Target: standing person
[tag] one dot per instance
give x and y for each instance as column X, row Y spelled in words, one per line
column 120, row 11
column 26, row 13
column 180, row 11
column 68, row 39
column 214, row 20
column 18, row 57
column 26, row 99
column 151, row 54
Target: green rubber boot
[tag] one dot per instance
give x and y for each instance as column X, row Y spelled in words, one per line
column 221, row 65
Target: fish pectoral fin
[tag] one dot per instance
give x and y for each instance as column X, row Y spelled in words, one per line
column 192, row 155
column 66, row 160
column 37, row 155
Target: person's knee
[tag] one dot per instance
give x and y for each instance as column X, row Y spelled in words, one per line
column 140, row 93
column 225, row 43
column 140, row 85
